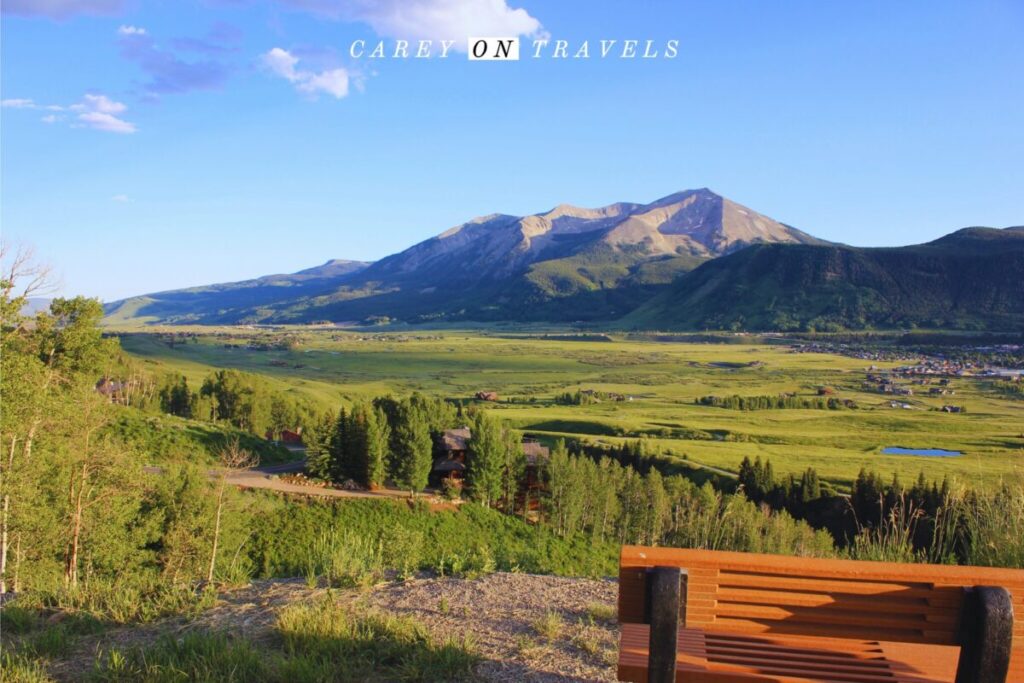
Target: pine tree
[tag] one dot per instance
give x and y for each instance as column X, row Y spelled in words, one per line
column 318, row 438
column 339, row 468
column 485, row 460
column 378, row 437
column 414, row 448
column 513, row 468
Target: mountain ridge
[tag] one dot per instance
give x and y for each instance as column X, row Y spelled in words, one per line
column 972, row 278
column 690, row 260
column 460, row 273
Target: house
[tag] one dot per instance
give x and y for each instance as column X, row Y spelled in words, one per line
column 952, row 409
column 536, row 456
column 452, row 445
column 116, row 391
column 450, row 453
column 286, row 436
column 487, row 395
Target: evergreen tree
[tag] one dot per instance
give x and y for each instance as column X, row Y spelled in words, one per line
column 378, row 437
column 414, row 448
column 318, row 438
column 513, row 468
column 485, row 460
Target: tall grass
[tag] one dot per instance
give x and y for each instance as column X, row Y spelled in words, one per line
column 372, row 646
column 121, row 601
column 18, row 667
column 995, row 527
column 345, row 559
column 318, row 642
column 981, row 529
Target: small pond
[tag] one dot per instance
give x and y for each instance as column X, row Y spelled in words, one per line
column 929, row 452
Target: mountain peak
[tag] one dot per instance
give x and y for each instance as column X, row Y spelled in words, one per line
column 496, row 265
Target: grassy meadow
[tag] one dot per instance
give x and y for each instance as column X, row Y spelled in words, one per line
column 662, row 378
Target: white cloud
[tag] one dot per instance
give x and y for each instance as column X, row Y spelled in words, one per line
column 106, row 122
column 60, row 9
column 98, row 112
column 120, row 198
column 15, row 103
column 429, row 19
column 131, row 31
column 282, row 63
column 100, row 104
column 93, row 111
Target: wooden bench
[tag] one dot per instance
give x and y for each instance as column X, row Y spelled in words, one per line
column 698, row 616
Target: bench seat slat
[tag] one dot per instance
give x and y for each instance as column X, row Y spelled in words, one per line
column 789, row 659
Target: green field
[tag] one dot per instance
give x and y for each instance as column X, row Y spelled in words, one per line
column 663, row 380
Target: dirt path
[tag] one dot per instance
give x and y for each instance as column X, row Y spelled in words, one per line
column 265, row 477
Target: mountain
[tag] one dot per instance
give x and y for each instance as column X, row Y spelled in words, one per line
column 970, row 279
column 566, row 264
column 36, row 304
column 215, row 303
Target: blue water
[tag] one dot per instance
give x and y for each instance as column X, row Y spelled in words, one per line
column 930, row 452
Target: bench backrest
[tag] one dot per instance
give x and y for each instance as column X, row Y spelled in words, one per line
column 755, row 593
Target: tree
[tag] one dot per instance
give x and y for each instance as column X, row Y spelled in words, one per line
column 513, row 468
column 485, row 460
column 59, row 353
column 232, row 458
column 378, row 436
column 413, row 449
column 318, row 437
column 176, row 398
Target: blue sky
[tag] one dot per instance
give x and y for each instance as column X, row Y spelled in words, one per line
column 180, row 151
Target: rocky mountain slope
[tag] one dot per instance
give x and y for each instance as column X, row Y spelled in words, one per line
column 566, row 264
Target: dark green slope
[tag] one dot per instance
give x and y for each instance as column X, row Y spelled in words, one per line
column 971, row 279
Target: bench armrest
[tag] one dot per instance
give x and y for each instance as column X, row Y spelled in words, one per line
column 665, row 609
column 986, row 636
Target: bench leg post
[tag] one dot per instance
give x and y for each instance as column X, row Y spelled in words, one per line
column 986, row 636
column 667, row 600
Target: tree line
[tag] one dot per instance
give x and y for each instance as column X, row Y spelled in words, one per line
column 242, row 399
column 396, row 440
column 780, row 402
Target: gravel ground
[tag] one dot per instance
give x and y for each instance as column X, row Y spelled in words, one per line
column 505, row 616
column 525, row 627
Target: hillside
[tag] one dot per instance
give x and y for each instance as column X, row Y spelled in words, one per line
column 565, row 264
column 212, row 303
column 970, row 279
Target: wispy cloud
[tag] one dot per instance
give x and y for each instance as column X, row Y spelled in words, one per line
column 334, row 82
column 102, row 113
column 95, row 111
column 120, row 198
column 17, row 103
column 60, row 9
column 221, row 39
column 428, row 19
column 167, row 72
